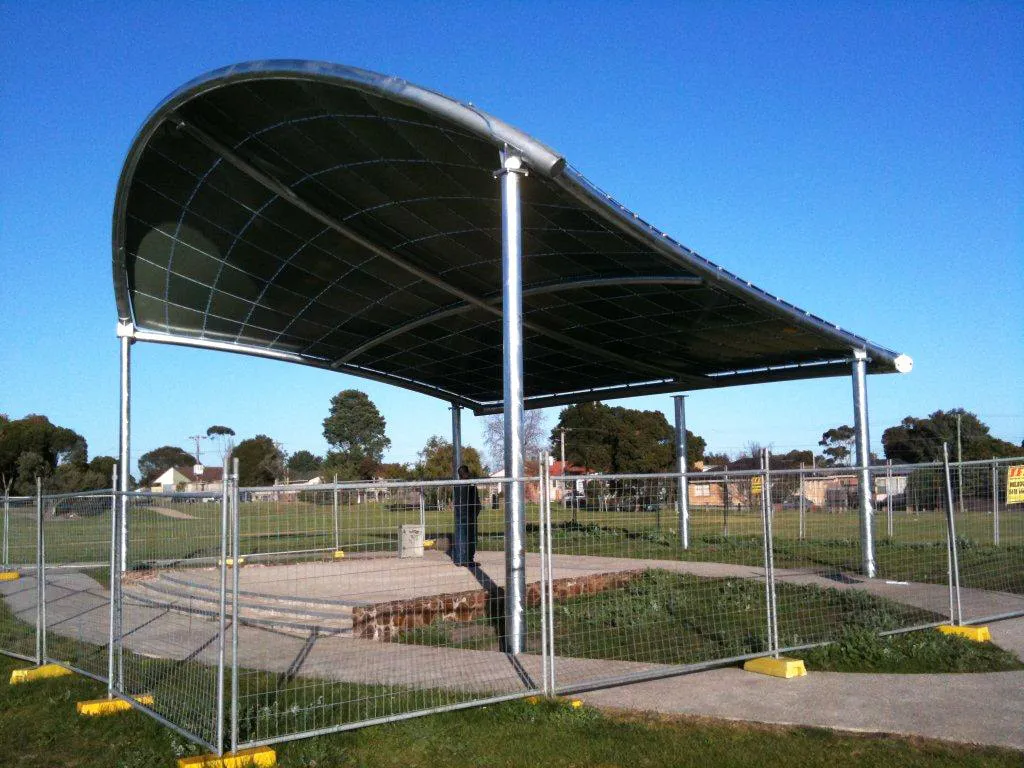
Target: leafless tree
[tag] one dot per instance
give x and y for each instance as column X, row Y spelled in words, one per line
column 535, row 437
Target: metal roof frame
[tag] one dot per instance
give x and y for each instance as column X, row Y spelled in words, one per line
column 211, row 165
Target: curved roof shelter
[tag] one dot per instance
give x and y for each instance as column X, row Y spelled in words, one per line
column 338, row 218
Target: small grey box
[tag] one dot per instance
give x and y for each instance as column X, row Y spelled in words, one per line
column 410, row 541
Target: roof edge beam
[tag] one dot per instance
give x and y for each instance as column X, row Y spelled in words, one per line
column 535, row 290
column 157, row 337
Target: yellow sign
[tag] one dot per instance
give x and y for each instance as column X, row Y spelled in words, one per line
column 755, row 484
column 1015, row 485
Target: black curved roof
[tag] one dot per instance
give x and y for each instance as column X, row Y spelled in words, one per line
column 338, row 218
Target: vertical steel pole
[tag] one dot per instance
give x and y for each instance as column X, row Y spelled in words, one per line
column 125, row 332
column 112, row 635
column 544, row 628
column 802, row 531
column 955, row 614
column 682, row 489
column 512, row 169
column 995, row 502
column 888, row 498
column 7, row 527
column 423, row 508
column 236, row 554
column 337, row 530
column 860, row 420
column 40, row 577
column 456, row 440
column 222, row 609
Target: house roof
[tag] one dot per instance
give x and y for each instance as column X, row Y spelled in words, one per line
column 210, row 474
column 342, row 219
column 568, row 468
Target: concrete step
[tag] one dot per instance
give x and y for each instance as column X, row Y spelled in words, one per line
column 287, row 615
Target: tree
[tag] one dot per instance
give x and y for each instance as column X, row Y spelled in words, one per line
column 224, row 435
column 838, row 444
column 355, row 428
column 154, row 463
column 259, row 461
column 916, row 441
column 436, row 460
column 534, row 440
column 33, row 446
column 303, row 465
column 622, row 440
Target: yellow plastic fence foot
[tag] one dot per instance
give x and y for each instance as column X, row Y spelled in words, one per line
column 231, row 561
column 977, row 634
column 9, row 575
column 780, row 667
column 38, row 673
column 339, row 553
column 100, row 707
column 257, row 757
column 429, row 543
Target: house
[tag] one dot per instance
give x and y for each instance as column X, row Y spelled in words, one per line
column 189, row 480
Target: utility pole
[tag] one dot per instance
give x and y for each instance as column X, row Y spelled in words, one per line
column 563, row 430
column 196, row 439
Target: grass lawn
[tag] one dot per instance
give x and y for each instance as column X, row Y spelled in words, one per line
column 39, row 729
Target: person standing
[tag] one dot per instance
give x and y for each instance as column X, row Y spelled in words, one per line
column 466, row 501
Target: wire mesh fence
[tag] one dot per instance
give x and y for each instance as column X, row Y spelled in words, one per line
column 257, row 615
column 18, row 586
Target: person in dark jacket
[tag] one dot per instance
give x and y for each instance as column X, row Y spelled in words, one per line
column 466, row 502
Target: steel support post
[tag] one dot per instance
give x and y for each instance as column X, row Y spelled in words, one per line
column 802, row 530
column 40, row 577
column 682, row 488
column 860, row 425
column 125, row 332
column 888, row 499
column 456, row 440
column 512, row 169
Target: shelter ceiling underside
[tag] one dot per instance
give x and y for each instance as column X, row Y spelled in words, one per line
column 239, row 229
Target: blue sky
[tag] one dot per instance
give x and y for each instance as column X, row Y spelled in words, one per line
column 864, row 161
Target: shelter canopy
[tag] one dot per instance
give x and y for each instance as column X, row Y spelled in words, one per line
column 342, row 219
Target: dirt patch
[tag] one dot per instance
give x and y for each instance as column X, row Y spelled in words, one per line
column 172, row 513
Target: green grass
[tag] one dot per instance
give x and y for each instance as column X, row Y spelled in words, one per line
column 671, row 618
column 39, row 729
column 926, row 651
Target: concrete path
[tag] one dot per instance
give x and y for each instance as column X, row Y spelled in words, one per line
column 973, row 708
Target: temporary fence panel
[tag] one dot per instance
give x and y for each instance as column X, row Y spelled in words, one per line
column 353, row 609
column 18, row 593
column 628, row 601
column 168, row 627
column 822, row 587
column 990, row 540
column 77, row 538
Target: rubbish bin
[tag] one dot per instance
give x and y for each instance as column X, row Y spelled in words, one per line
column 410, row 541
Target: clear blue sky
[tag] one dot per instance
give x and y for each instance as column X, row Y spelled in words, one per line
column 864, row 161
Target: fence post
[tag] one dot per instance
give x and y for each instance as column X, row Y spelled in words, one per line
column 337, row 531
column 803, row 529
column 955, row 616
column 113, row 635
column 7, row 527
column 222, row 609
column 40, row 577
column 888, row 499
column 995, row 502
column 236, row 554
column 769, row 554
column 860, row 424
